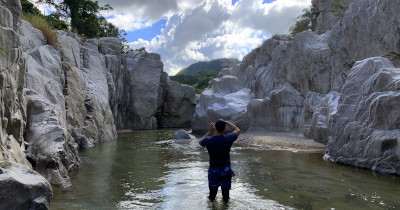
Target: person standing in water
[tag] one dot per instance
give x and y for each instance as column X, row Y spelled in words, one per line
column 219, row 147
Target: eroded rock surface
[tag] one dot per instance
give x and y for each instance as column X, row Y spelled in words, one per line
column 20, row 186
column 12, row 81
column 366, row 126
column 329, row 85
column 224, row 99
column 52, row 149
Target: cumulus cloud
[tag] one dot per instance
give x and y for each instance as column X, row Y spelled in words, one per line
column 137, row 14
column 198, row 30
column 218, row 29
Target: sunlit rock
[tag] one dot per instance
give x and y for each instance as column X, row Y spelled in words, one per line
column 51, row 147
column 30, row 37
column 365, row 128
column 224, row 99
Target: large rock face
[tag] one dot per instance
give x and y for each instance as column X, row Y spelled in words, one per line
column 12, row 81
column 20, row 187
column 366, row 126
column 310, row 84
column 52, row 150
column 80, row 92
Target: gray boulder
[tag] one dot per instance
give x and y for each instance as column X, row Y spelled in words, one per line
column 318, row 110
column 224, row 99
column 178, row 106
column 140, row 92
column 23, row 188
column 365, row 128
column 280, row 111
column 181, row 134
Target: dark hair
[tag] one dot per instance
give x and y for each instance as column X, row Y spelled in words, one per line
column 220, row 125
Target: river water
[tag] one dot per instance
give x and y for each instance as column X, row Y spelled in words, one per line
column 145, row 170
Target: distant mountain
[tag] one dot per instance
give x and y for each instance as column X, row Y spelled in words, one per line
column 199, row 74
column 215, row 65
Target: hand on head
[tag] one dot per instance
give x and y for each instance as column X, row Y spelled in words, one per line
column 211, row 127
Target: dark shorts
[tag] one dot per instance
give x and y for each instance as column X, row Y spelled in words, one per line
column 220, row 176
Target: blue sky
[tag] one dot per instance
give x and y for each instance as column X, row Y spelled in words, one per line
column 187, row 31
column 147, row 33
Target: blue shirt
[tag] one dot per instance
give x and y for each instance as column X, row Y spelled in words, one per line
column 219, row 148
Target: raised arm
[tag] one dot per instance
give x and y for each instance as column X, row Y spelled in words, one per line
column 211, row 128
column 234, row 128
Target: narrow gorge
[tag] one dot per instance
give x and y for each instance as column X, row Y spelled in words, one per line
column 339, row 85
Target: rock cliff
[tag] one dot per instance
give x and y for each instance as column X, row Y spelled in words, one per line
column 20, row 186
column 80, row 93
column 338, row 86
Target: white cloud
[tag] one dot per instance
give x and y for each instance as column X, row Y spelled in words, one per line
column 216, row 29
column 199, row 30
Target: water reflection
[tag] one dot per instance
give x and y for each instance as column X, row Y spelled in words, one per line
column 144, row 170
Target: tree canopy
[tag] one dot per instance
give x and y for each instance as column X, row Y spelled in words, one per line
column 305, row 22
column 84, row 16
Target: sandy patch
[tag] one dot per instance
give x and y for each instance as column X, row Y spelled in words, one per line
column 280, row 141
column 125, row 131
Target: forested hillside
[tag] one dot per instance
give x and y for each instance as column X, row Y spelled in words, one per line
column 199, row 74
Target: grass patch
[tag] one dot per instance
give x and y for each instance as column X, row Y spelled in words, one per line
column 41, row 23
column 1, row 48
column 337, row 4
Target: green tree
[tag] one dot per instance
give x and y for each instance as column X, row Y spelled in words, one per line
column 55, row 20
column 305, row 22
column 29, row 8
column 84, row 17
column 107, row 29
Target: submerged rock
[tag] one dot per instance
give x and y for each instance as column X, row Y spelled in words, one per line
column 181, row 134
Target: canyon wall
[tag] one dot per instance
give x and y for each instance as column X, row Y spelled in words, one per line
column 80, row 92
column 20, row 186
column 58, row 99
column 338, row 85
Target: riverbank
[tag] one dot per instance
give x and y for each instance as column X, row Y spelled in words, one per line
column 280, row 141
